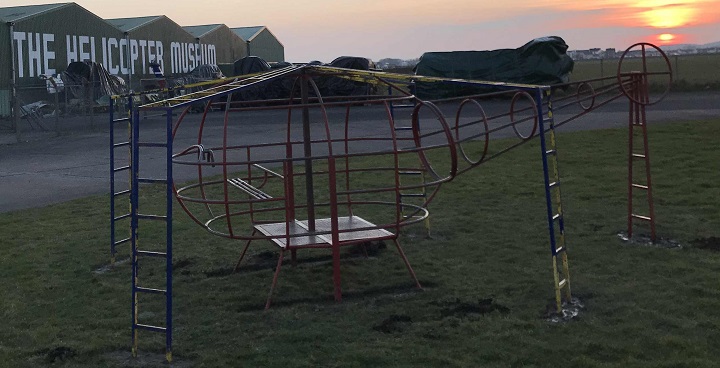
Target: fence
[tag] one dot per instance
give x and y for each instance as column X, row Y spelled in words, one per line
column 39, row 109
column 690, row 72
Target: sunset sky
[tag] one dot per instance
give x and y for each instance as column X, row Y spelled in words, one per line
column 324, row 29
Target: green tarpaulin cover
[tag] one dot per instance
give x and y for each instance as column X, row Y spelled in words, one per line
column 541, row 61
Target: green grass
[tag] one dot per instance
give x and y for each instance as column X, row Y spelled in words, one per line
column 486, row 272
column 690, row 72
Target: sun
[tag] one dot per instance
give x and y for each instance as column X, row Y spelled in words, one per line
column 666, row 37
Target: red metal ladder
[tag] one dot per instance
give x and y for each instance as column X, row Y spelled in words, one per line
column 639, row 155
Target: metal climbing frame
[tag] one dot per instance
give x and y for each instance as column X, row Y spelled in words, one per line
column 245, row 190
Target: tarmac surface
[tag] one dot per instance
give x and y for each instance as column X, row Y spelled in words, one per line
column 49, row 167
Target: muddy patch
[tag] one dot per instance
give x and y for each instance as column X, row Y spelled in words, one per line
column 396, row 323
column 219, row 272
column 182, row 263
column 570, row 310
column 370, row 249
column 266, row 255
column 461, row 309
column 712, row 243
column 646, row 240
column 57, row 354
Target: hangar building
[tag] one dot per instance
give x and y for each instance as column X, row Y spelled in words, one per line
column 262, row 43
column 41, row 40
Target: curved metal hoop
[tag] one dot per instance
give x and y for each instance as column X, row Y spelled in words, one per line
column 486, row 132
column 627, row 92
column 448, row 135
column 580, row 96
column 515, row 98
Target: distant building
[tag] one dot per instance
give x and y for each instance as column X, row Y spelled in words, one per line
column 262, row 43
column 40, row 40
column 220, row 34
column 611, row 53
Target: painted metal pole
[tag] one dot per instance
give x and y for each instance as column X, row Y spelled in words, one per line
column 631, row 124
column 307, row 145
column 134, row 195
column 128, row 59
column 112, row 181
column 14, row 103
column 169, row 196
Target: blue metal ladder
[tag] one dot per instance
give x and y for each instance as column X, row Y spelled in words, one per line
column 151, row 250
column 556, row 223
column 115, row 195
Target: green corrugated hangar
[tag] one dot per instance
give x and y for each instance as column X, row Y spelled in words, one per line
column 262, row 43
column 220, row 34
column 41, row 40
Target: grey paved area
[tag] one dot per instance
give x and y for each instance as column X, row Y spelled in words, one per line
column 48, row 168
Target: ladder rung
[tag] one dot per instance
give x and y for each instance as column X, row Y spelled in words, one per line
column 554, row 184
column 123, row 144
column 410, row 172
column 152, row 254
column 646, row 218
column 638, row 155
column 152, row 217
column 551, row 152
column 415, row 195
column 150, row 290
column 403, row 128
column 640, row 186
column 562, row 283
column 150, row 328
column 122, row 241
column 121, row 217
column 403, row 106
column 152, row 181
column 151, row 144
column 126, row 191
column 557, row 216
column 121, row 120
column 122, row 168
column 558, row 250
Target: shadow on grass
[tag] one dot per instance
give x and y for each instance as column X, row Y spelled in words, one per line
column 267, row 260
column 712, row 243
column 348, row 296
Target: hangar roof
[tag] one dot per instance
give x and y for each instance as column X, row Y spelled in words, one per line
column 128, row 24
column 246, row 33
column 17, row 13
column 199, row 31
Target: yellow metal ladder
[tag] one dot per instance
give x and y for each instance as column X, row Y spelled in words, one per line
column 556, row 224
